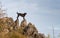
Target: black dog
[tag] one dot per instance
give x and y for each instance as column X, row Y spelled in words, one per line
column 21, row 14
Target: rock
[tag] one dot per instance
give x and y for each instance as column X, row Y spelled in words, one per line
column 16, row 26
column 23, row 23
column 6, row 22
column 41, row 35
column 32, row 29
column 8, row 26
column 5, row 31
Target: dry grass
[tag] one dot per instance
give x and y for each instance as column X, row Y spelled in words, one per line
column 12, row 34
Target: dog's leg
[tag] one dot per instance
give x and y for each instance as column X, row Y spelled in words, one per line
column 17, row 16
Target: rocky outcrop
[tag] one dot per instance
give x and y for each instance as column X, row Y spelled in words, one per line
column 27, row 30
column 5, row 23
column 30, row 30
column 16, row 24
column 23, row 23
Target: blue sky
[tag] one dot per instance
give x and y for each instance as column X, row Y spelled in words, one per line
column 42, row 13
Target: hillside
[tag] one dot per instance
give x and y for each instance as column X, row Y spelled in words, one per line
column 13, row 29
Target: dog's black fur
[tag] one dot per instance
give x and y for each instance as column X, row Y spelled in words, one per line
column 21, row 14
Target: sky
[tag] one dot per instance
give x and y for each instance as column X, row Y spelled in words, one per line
column 42, row 13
